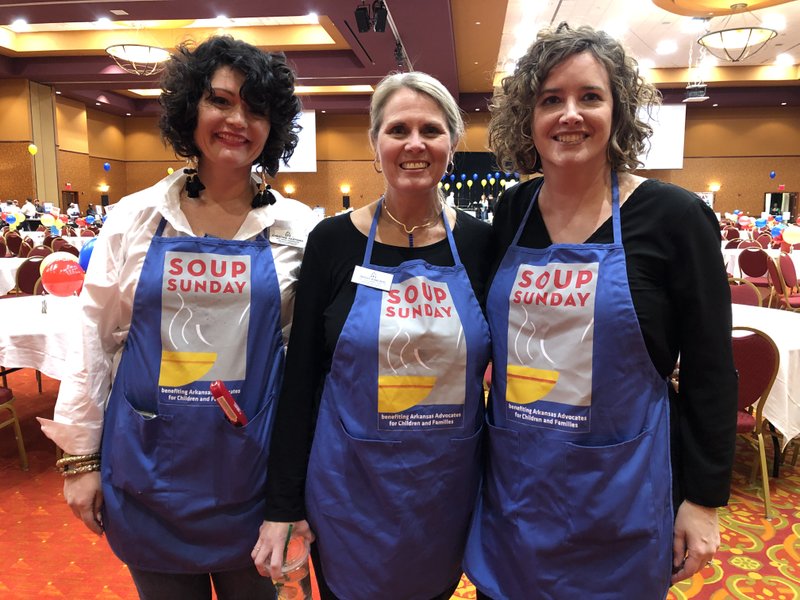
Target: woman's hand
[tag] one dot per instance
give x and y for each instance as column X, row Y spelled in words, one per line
column 267, row 554
column 695, row 541
column 84, row 496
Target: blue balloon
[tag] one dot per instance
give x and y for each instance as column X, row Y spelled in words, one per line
column 452, row 177
column 497, row 174
column 54, row 230
column 463, row 176
column 106, row 166
column 761, row 222
column 772, row 174
column 776, row 231
column 86, row 254
column 474, row 177
column 779, row 218
column 103, row 219
column 11, row 219
column 90, row 219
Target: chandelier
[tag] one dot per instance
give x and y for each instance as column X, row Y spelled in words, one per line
column 736, row 43
column 138, row 59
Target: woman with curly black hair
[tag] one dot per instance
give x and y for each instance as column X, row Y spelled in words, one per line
column 601, row 280
column 191, row 284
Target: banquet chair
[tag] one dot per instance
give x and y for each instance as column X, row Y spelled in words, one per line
column 787, row 299
column 756, row 358
column 62, row 245
column 87, row 233
column 744, row 292
column 3, row 247
column 730, row 233
column 48, row 240
column 7, row 404
column 13, row 241
column 24, row 249
column 750, row 244
column 753, row 265
column 765, row 239
column 732, row 243
column 40, row 251
column 27, row 275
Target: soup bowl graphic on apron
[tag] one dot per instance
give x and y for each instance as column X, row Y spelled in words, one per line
column 397, row 393
column 182, row 368
column 526, row 384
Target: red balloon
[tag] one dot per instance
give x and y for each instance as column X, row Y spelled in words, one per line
column 62, row 278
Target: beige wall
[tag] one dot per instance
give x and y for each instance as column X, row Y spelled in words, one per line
column 736, row 148
column 15, row 117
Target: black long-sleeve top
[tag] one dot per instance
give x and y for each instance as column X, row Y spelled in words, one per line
column 324, row 297
column 681, row 297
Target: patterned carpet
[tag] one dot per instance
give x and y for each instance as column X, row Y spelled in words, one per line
column 46, row 553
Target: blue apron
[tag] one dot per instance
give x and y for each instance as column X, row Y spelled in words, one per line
column 576, row 499
column 183, row 487
column 395, row 464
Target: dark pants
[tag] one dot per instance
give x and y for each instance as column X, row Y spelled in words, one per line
column 244, row 584
column 326, row 594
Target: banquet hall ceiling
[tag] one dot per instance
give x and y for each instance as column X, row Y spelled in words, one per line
column 465, row 43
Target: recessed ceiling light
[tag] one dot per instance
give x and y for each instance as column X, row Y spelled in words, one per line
column 127, row 114
column 104, row 22
column 97, row 104
column 784, row 60
column 476, row 62
column 58, row 92
column 324, row 111
column 666, row 47
column 783, row 103
column 715, row 105
column 477, row 110
column 477, row 22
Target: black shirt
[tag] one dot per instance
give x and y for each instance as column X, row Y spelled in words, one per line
column 681, row 297
column 324, row 297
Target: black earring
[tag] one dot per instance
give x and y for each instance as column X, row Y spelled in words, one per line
column 263, row 196
column 193, row 184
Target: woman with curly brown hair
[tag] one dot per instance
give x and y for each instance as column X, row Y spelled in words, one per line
column 191, row 281
column 602, row 279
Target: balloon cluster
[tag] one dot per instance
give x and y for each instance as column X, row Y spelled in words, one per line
column 62, row 273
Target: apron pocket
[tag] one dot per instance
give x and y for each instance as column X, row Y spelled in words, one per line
column 503, row 472
column 138, row 452
column 216, row 463
column 610, row 491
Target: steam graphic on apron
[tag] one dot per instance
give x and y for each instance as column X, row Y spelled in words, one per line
column 420, row 338
column 550, row 331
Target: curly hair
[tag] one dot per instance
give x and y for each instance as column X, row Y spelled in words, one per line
column 510, row 135
column 268, row 90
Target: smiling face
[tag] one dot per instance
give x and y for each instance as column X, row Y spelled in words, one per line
column 228, row 133
column 413, row 143
column 572, row 117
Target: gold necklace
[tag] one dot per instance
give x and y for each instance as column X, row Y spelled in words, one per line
column 410, row 232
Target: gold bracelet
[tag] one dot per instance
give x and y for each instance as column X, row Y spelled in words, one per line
column 69, row 459
column 84, row 468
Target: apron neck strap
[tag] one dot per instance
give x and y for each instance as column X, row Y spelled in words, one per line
column 374, row 229
column 615, row 220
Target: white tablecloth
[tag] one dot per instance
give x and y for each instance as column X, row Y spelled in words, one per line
column 8, row 273
column 30, row 338
column 731, row 257
column 77, row 241
column 783, row 404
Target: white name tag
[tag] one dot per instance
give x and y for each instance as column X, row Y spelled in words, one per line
column 371, row 278
column 286, row 237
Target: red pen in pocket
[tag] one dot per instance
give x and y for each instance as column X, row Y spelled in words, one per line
column 233, row 413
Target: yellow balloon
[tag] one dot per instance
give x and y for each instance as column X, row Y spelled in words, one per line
column 446, row 186
column 469, row 183
column 502, row 183
column 491, row 181
column 440, row 185
column 20, row 217
column 791, row 235
column 48, row 220
column 32, row 149
column 170, row 170
column 483, row 183
column 54, row 257
column 458, row 185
